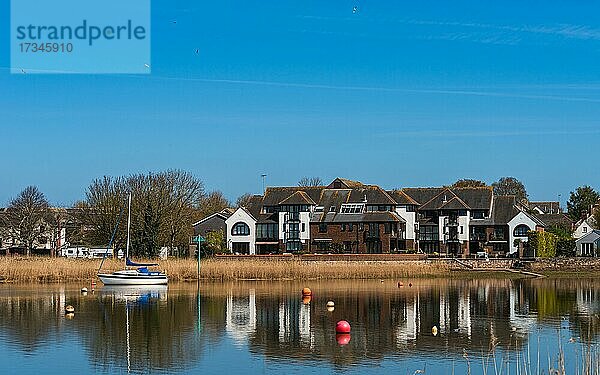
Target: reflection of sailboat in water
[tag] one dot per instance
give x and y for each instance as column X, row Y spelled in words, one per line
column 139, row 276
column 134, row 296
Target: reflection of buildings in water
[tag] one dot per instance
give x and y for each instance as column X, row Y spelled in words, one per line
column 406, row 330
column 294, row 320
column 240, row 317
column 519, row 321
column 306, row 338
column 464, row 313
column 588, row 300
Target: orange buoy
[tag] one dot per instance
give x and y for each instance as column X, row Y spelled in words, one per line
column 306, row 300
column 434, row 330
column 342, row 338
column 342, row 327
column 306, row 292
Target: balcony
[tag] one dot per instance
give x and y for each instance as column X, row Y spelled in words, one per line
column 451, row 221
column 497, row 237
column 292, row 217
column 477, row 237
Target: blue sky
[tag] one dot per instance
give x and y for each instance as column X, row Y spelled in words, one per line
column 397, row 94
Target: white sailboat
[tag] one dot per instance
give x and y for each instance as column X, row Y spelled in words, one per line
column 137, row 276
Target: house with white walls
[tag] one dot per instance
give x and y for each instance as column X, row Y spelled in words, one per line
column 241, row 232
column 583, row 227
column 588, row 245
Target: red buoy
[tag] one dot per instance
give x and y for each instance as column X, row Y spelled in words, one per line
column 342, row 327
column 342, row 338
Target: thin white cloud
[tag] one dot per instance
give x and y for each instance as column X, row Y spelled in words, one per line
column 490, row 133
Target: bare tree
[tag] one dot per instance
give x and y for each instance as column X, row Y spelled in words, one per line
column 163, row 207
column 26, row 217
column 243, row 200
column 310, row 181
column 213, row 202
column 104, row 205
column 185, row 195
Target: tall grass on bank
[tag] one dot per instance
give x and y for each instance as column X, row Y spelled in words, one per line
column 43, row 269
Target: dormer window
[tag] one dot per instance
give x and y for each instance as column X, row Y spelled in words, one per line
column 352, row 208
column 332, row 209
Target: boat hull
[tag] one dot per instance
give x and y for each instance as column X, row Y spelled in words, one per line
column 116, row 279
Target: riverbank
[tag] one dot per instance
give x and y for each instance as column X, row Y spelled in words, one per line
column 49, row 270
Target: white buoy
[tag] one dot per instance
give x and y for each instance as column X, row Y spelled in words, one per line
column 84, row 290
column 69, row 309
column 330, row 304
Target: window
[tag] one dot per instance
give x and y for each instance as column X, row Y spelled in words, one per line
column 429, row 233
column 387, row 228
column 350, row 227
column 241, row 247
column 343, row 227
column 322, row 227
column 521, row 230
column 266, row 231
column 319, row 209
column 461, row 229
column 303, row 227
column 478, row 214
column 584, row 229
column 332, row 209
column 373, row 230
column 293, row 246
column 240, row 229
column 380, row 208
column 352, row 208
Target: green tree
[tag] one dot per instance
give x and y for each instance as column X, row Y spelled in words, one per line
column 468, row 183
column 214, row 243
column 510, row 186
column 580, row 202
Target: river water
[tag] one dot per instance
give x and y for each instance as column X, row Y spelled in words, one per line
column 484, row 326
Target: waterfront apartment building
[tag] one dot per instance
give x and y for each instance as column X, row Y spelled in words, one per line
column 351, row 217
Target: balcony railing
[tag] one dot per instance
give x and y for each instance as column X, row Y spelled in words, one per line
column 451, row 221
column 477, row 237
column 292, row 216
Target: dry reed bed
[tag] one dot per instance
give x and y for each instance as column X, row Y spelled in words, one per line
column 39, row 269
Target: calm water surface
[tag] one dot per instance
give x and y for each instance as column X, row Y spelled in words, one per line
column 267, row 327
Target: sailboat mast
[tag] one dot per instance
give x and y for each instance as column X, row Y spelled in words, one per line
column 128, row 226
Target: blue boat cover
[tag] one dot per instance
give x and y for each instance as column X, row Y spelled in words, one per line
column 129, row 263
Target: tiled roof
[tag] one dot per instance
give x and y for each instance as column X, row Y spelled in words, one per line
column 454, row 204
column 254, row 205
column 546, row 207
column 504, row 209
column 439, row 200
column 274, row 195
column 373, row 194
column 422, row 195
column 477, row 198
column 298, row 197
column 372, row 217
column 559, row 220
column 402, row 198
column 345, row 183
